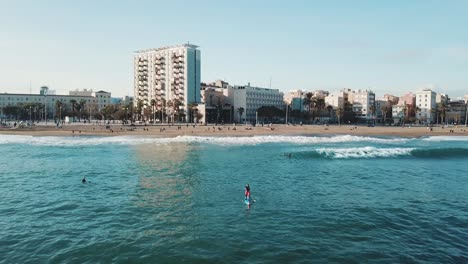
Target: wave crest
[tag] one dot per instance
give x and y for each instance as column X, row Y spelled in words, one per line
column 364, row 152
column 225, row 141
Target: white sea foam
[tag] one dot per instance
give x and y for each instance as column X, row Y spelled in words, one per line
column 446, row 138
column 363, row 152
column 225, row 141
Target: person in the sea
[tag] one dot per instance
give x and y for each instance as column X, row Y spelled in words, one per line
column 247, row 192
column 83, row 180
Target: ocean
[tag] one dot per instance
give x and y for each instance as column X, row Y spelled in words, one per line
column 333, row 199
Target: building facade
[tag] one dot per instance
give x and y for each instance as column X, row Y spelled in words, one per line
column 215, row 106
column 426, row 102
column 337, row 99
column 84, row 92
column 363, row 102
column 250, row 99
column 295, row 99
column 456, row 112
column 45, row 106
column 401, row 110
column 167, row 74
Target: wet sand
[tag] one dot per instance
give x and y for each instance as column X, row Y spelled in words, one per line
column 231, row 130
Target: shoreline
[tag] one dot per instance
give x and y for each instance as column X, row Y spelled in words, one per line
column 231, row 130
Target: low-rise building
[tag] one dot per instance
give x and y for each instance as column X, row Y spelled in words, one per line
column 250, row 99
column 404, row 107
column 295, row 99
column 52, row 106
column 455, row 112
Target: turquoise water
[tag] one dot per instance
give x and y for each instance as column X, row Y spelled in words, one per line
column 337, row 199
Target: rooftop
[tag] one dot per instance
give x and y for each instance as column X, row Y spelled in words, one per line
column 186, row 45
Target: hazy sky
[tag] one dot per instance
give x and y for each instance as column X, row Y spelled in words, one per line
column 387, row 46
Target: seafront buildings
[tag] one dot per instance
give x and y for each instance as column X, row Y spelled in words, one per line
column 167, row 87
column 167, row 79
column 222, row 102
column 51, row 106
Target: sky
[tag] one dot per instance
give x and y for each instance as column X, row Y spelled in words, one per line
column 386, row 46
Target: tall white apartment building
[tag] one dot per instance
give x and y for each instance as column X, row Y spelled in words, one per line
column 426, row 102
column 362, row 101
column 251, row 98
column 167, row 74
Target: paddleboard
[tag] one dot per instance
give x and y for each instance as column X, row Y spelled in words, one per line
column 249, row 201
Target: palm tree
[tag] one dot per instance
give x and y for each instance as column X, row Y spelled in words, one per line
column 139, row 108
column 339, row 114
column 442, row 108
column 58, row 107
column 73, row 104
column 383, row 108
column 81, row 106
column 163, row 108
column 416, row 112
column 192, row 107
column 372, row 111
column 330, row 111
column 308, row 101
column 320, row 105
column 169, row 105
column 240, row 110
column 405, row 112
column 176, row 108
column 153, row 104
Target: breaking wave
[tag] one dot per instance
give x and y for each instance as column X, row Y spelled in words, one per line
column 364, row 152
column 446, row 138
column 225, row 141
column 373, row 152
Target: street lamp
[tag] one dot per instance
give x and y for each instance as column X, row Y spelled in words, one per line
column 256, row 118
column 161, row 120
column 29, row 114
column 60, row 116
column 45, row 108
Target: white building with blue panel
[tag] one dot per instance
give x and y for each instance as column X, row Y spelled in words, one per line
column 167, row 74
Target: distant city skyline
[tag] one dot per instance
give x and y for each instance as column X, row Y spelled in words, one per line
column 388, row 47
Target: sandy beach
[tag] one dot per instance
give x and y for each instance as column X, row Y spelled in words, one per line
column 230, row 130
